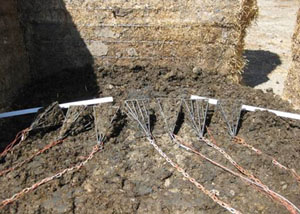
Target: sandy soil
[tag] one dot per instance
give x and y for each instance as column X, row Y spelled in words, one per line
column 268, row 45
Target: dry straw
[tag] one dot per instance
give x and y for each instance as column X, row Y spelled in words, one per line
column 208, row 34
column 292, row 83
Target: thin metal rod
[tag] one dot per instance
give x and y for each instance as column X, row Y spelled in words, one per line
column 138, row 115
column 197, row 113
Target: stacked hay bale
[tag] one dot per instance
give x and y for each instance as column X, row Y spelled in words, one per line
column 14, row 70
column 292, row 83
column 206, row 34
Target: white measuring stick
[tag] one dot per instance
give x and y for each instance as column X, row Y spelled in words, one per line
column 210, row 100
column 253, row 108
column 64, row 105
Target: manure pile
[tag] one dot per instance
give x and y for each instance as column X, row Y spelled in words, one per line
column 142, row 154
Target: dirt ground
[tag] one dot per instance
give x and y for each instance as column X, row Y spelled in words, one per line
column 268, row 45
column 129, row 175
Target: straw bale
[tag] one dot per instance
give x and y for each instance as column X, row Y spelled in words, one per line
column 208, row 34
column 292, row 83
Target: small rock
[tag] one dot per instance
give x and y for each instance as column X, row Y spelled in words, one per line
column 132, row 52
column 167, row 183
column 232, row 192
column 110, row 86
column 169, row 75
column 119, row 54
column 98, row 48
column 143, row 190
column 216, row 192
column 197, row 70
column 88, row 187
column 284, row 187
column 174, row 190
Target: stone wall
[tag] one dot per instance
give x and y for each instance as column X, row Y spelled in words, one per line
column 14, row 69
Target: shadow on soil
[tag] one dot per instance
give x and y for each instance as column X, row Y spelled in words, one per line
column 61, row 66
column 260, row 64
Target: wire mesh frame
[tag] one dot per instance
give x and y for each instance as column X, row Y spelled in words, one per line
column 138, row 111
column 74, row 119
column 197, row 113
column 39, row 124
column 102, row 137
column 170, row 127
column 231, row 119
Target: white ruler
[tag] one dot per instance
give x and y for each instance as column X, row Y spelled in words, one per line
column 64, row 105
column 252, row 108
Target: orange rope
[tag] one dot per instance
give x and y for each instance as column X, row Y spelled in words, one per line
column 242, row 142
column 50, row 145
column 78, row 166
column 289, row 206
column 210, row 194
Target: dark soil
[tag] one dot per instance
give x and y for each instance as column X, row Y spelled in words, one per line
column 129, row 176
